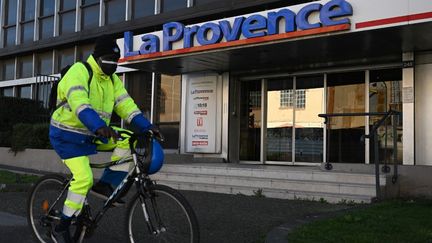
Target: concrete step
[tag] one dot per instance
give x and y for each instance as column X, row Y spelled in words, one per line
column 271, row 193
column 269, row 183
column 286, row 182
column 304, row 173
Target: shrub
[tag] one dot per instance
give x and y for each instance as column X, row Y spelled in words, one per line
column 29, row 136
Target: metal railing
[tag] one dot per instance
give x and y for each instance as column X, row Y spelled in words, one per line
column 373, row 134
column 42, row 88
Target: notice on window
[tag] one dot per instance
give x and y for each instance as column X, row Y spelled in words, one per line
column 201, row 115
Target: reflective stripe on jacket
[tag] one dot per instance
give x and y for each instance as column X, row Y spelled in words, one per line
column 106, row 96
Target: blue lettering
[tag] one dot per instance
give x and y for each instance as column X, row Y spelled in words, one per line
column 188, row 36
column 253, row 23
column 275, row 17
column 234, row 33
column 150, row 45
column 172, row 32
column 302, row 18
column 334, row 9
column 128, row 44
column 204, row 29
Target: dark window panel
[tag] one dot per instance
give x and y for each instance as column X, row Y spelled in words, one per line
column 87, row 2
column 65, row 57
column 67, row 4
column 8, row 69
column 11, row 8
column 27, row 32
column 90, row 17
column 67, row 22
column 24, row 92
column 84, row 52
column 10, row 35
column 44, row 63
column 142, row 8
column 115, row 11
column 7, row 92
column 47, row 7
column 201, row 2
column 46, row 26
column 170, row 5
column 25, row 65
column 28, row 10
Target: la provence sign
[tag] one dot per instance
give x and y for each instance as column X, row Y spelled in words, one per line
column 335, row 12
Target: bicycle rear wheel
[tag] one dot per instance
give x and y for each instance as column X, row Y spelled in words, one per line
column 45, row 204
column 171, row 218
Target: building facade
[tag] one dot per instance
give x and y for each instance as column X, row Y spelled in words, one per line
column 245, row 81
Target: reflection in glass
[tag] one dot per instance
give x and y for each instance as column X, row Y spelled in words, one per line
column 167, row 110
column 346, row 94
column 385, row 93
column 250, row 120
column 280, row 100
column 308, row 126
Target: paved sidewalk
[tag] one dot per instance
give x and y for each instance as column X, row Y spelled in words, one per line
column 223, row 218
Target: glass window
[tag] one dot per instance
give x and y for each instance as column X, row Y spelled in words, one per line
column 64, row 57
column 44, row 63
column 67, row 17
column 46, row 19
column 346, row 94
column 25, row 67
column 142, row 8
column 9, row 35
column 8, row 92
column 8, row 69
column 167, row 110
column 27, row 20
column 170, row 5
column 309, row 137
column 139, row 87
column 90, row 14
column 201, row 2
column 84, row 51
column 11, row 6
column 24, row 92
column 115, row 11
column 385, row 89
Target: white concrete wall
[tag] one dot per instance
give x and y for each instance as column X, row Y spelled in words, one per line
column 423, row 109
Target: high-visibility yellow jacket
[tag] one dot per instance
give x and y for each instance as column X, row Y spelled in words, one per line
column 89, row 107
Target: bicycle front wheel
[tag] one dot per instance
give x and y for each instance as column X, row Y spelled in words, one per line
column 44, row 205
column 163, row 216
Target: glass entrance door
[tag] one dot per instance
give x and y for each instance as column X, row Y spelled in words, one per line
column 279, row 120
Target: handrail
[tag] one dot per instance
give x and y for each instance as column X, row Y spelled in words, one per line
column 372, row 134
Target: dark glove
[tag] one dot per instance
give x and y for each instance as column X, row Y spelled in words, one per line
column 107, row 132
column 157, row 134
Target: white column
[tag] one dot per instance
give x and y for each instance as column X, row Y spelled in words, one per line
column 2, row 21
column 423, row 109
column 367, row 140
column 408, row 108
column 57, row 18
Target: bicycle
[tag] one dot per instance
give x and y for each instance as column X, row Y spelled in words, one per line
column 165, row 213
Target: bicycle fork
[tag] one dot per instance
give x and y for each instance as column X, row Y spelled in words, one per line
column 152, row 229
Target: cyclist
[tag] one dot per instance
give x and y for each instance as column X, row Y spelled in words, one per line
column 85, row 112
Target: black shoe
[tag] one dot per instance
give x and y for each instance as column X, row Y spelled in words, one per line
column 103, row 190
column 61, row 236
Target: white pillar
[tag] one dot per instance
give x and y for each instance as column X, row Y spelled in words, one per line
column 408, row 138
